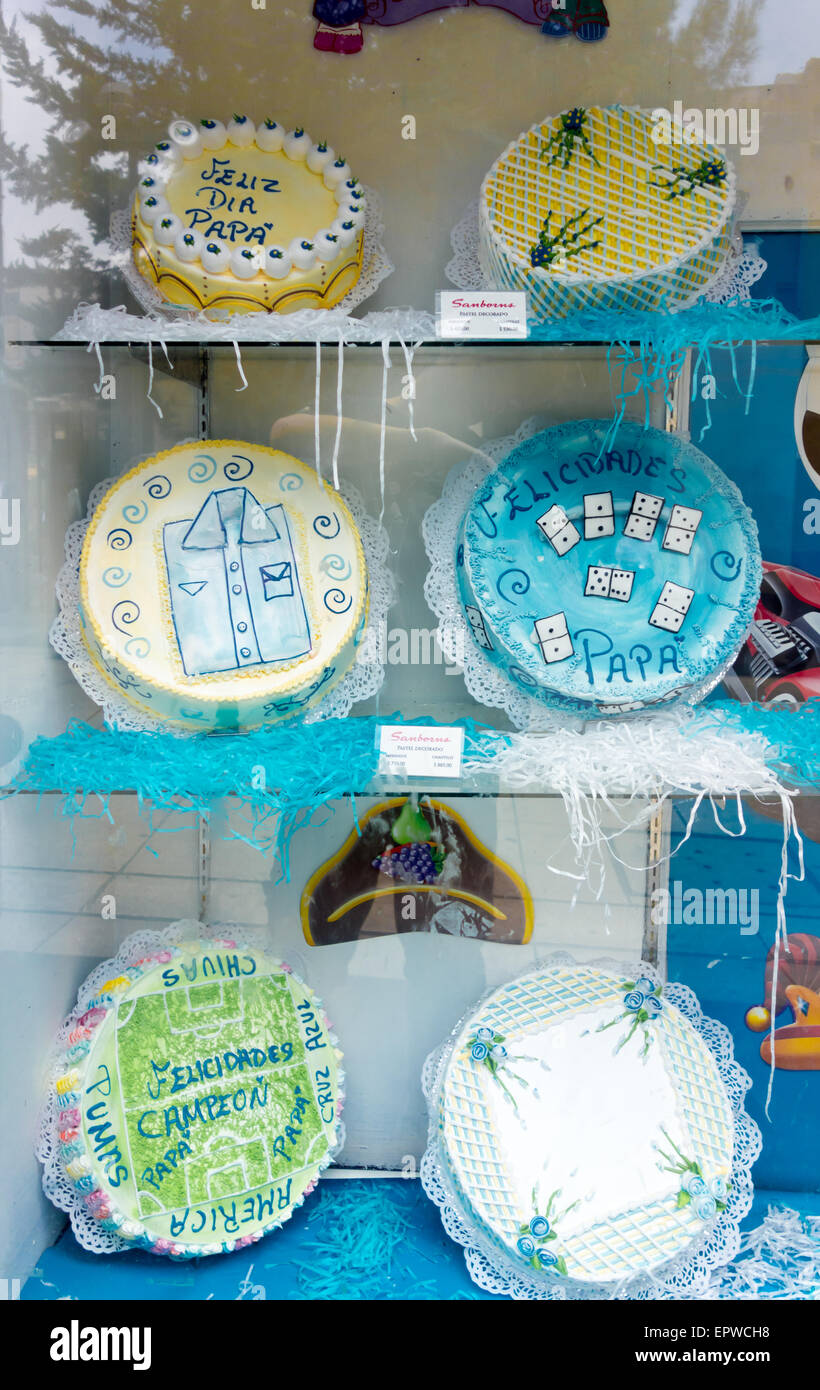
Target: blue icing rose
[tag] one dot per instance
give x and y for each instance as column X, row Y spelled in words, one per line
column 478, row 1051
column 539, row 1227
column 645, row 985
column 485, row 1034
column 633, row 1000
column 547, row 1258
column 705, row 1206
column 498, row 1053
column 693, row 1184
column 526, row 1246
column 653, row 1005
column 719, row 1189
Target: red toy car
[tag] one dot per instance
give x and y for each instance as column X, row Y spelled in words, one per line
column 780, row 660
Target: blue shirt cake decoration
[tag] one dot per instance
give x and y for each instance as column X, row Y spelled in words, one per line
column 606, row 574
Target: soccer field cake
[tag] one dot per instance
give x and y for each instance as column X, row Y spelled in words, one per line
column 598, row 208
column 222, row 586
column 244, row 217
column 582, row 1129
column 603, row 576
column 198, row 1098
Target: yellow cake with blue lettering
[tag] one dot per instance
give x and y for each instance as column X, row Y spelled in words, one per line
column 242, row 217
column 606, row 208
column 223, row 586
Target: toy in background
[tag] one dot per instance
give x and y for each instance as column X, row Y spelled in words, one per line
column 779, row 663
column 807, row 415
column 339, row 22
column 794, row 1046
column 415, row 866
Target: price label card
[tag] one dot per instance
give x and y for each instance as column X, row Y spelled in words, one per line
column 421, row 750
column 482, row 314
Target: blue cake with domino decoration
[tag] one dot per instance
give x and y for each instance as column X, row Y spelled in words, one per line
column 605, row 575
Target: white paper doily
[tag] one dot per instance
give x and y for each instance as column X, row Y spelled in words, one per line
column 57, row 1185
column 690, row 1272
column 743, row 268
column 361, row 682
column 376, row 266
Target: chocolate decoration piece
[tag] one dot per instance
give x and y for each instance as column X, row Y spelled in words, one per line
column 475, row 894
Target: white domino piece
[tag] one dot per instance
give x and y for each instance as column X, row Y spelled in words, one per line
column 672, row 606
column 680, row 531
column 553, row 626
column 565, row 539
column 599, row 518
column 476, row 620
column 596, row 527
column 599, row 578
column 647, row 504
column 676, row 596
column 621, row 585
column 553, row 638
column 640, row 528
column 675, row 538
column 687, row 517
column 552, row 521
column 598, row 504
column 666, row 618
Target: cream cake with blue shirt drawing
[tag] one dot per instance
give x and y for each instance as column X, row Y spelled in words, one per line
column 222, row 585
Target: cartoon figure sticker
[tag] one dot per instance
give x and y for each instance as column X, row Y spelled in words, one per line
column 339, row 22
column 796, row 1044
column 415, row 865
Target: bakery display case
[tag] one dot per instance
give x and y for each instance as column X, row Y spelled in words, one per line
column 407, row 731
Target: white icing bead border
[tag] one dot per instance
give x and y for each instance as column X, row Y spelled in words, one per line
column 169, row 155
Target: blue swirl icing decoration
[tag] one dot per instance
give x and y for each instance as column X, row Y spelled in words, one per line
column 519, row 585
column 523, row 677
column 724, row 559
column 290, row 482
column 336, row 566
column 119, row 538
column 158, row 486
column 202, row 469
column 135, row 512
column 238, row 468
column 115, row 576
column 323, row 525
column 138, row 647
column 334, row 601
column 125, row 612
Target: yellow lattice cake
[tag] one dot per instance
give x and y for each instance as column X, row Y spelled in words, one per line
column 243, row 218
column 590, row 209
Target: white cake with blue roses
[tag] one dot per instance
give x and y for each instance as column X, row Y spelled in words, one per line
column 605, row 574
column 582, row 1128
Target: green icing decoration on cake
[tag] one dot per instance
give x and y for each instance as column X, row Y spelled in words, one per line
column 201, row 1098
column 567, row 242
